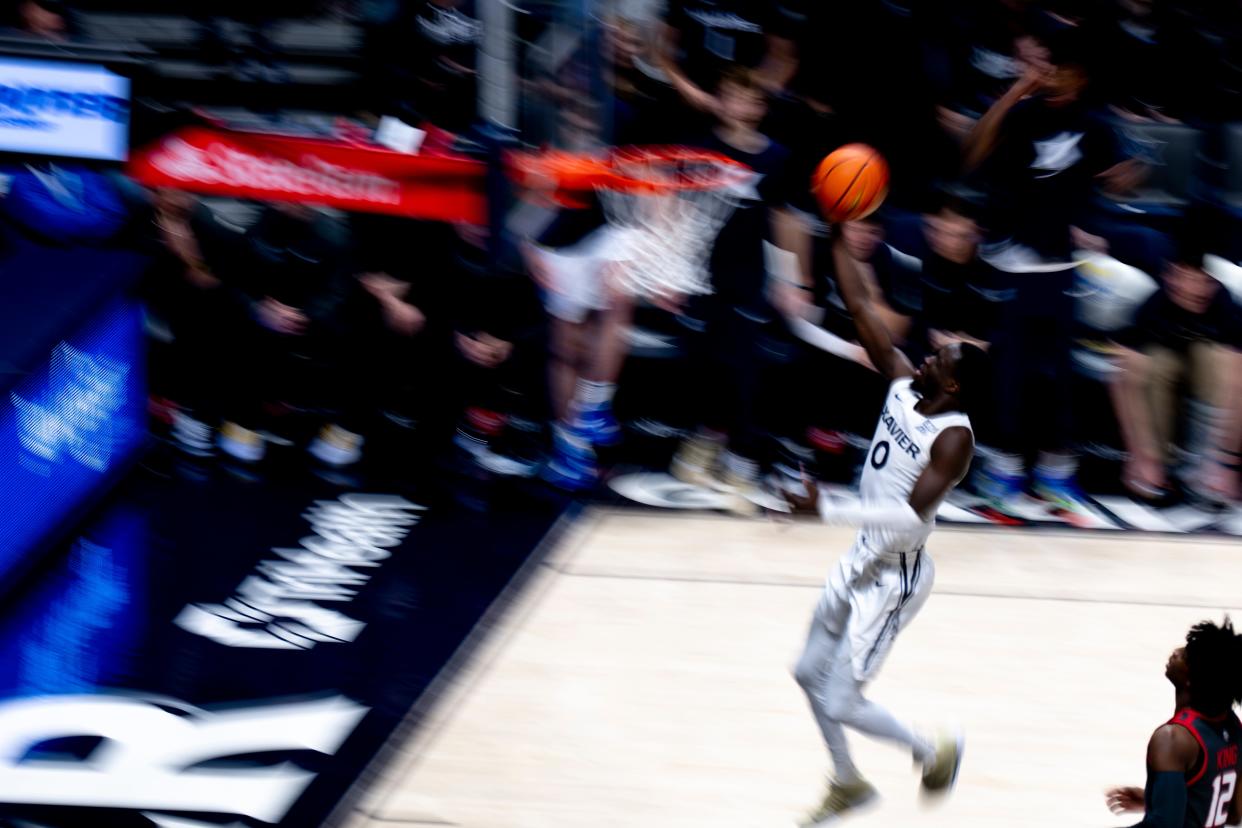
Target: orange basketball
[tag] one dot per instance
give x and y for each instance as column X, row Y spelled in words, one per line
column 850, row 183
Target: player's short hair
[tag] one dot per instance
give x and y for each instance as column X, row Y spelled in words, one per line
column 1214, row 661
column 973, row 372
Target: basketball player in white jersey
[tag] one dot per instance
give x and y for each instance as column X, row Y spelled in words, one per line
column 921, row 449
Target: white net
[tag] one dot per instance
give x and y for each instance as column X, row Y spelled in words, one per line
column 668, row 212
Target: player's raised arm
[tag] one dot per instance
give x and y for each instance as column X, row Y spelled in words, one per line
column 874, row 337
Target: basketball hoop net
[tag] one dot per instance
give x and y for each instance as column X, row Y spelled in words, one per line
column 665, row 204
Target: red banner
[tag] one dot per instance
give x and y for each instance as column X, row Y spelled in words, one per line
column 278, row 168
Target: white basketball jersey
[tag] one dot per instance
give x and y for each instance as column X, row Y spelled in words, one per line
column 899, row 452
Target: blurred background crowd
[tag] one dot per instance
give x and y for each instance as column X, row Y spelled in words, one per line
column 1066, row 188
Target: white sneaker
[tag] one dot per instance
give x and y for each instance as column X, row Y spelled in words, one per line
column 336, row 447
column 940, row 775
column 695, row 461
column 841, row 800
column 241, row 443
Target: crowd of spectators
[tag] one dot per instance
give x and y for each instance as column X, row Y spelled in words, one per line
column 1022, row 143
column 1025, row 147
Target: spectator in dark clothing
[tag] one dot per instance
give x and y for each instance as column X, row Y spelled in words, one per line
column 725, row 357
column 628, row 106
column 419, row 58
column 701, row 39
column 1146, row 75
column 1042, row 152
column 447, row 34
column 987, row 47
column 642, row 107
column 396, row 318
column 437, row 58
column 436, row 340
column 497, row 379
column 893, row 277
column 960, row 299
column 189, row 245
column 1187, row 336
column 255, row 58
column 807, row 411
column 291, row 280
column 1024, row 320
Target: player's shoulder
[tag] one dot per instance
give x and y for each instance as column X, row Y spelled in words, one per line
column 1176, row 738
column 956, row 425
column 955, row 437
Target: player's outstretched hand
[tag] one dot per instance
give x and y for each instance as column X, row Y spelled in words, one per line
column 805, row 501
column 1126, row 800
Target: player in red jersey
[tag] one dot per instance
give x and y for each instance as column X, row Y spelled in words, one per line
column 1192, row 760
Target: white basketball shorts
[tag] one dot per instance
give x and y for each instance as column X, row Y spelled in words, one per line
column 869, row 599
column 577, row 275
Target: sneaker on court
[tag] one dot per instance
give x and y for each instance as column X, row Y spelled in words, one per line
column 695, row 461
column 567, row 442
column 569, row 474
column 241, row 443
column 1062, row 492
column 598, row 426
column 746, row 497
column 572, row 466
column 941, row 774
column 998, row 487
column 842, row 799
column 336, row 447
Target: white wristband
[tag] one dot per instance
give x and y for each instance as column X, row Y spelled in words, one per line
column 893, row 514
column 829, row 342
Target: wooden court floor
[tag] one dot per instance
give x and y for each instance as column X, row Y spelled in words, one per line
column 642, row 677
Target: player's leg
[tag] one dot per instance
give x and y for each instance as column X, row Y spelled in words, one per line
column 565, row 357
column 1216, row 380
column 811, row 673
column 572, row 465
column 591, row 409
column 1056, row 470
column 1163, row 396
column 879, row 607
column 703, row 383
column 847, row 790
column 879, row 610
column 1001, row 478
column 724, row 450
column 740, row 463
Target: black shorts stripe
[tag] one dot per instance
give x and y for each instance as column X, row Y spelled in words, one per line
column 907, row 591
